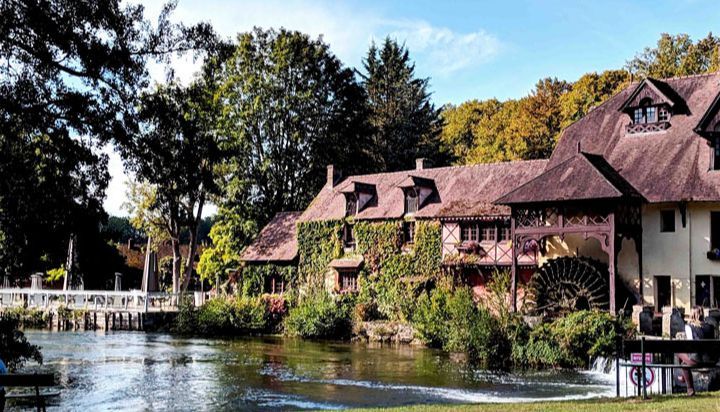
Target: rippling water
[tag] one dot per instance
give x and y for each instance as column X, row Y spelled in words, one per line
column 138, row 371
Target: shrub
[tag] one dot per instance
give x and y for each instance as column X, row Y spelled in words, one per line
column 320, row 316
column 224, row 316
column 431, row 318
column 15, row 350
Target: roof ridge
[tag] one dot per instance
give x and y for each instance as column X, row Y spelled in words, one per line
column 410, row 171
column 684, row 76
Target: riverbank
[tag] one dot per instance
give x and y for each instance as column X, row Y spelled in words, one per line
column 702, row 402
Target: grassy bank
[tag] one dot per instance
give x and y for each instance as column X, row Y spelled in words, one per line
column 701, row 402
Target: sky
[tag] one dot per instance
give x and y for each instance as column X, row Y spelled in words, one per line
column 468, row 49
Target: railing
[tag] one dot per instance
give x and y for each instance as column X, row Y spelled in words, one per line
column 636, row 128
column 98, row 300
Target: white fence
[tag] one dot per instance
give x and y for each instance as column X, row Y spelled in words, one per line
column 98, row 300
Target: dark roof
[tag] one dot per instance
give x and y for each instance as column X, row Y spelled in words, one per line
column 277, row 242
column 669, row 166
column 582, row 177
column 657, row 90
column 461, row 191
column 353, row 262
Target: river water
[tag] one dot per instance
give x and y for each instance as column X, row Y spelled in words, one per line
column 144, row 371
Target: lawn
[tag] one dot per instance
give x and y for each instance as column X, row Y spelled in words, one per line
column 701, row 402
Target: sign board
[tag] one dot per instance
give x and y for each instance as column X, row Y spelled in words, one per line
column 637, row 357
column 649, row 377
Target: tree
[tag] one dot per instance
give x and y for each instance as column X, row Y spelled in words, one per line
column 230, row 233
column 70, row 75
column 176, row 156
column 677, row 55
column 15, row 350
column 405, row 123
column 291, row 109
column 589, row 91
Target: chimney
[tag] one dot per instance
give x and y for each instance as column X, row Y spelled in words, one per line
column 333, row 176
column 420, row 164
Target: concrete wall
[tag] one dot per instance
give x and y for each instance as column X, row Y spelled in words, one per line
column 682, row 254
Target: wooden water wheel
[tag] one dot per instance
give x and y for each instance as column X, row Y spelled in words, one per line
column 567, row 284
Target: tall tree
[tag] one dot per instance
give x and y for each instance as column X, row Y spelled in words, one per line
column 178, row 154
column 69, row 77
column 291, row 108
column 406, row 125
column 677, row 55
column 589, row 91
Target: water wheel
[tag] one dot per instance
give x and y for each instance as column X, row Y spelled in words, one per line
column 567, row 284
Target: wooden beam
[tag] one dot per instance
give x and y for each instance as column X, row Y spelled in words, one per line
column 513, row 265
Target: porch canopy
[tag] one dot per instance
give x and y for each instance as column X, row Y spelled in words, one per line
column 582, row 195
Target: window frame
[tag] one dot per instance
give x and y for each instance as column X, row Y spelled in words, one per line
column 347, row 281
column 409, row 233
column 664, row 224
column 351, row 199
column 348, row 237
column 411, row 197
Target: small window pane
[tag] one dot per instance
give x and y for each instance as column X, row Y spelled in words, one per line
column 504, row 234
column 489, row 234
column 663, row 114
column 651, row 115
column 667, row 220
column 638, row 116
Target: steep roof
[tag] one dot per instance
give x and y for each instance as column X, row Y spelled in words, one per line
column 461, row 191
column 581, row 177
column 277, row 242
column 668, row 166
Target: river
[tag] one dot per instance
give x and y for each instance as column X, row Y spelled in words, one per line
column 145, row 371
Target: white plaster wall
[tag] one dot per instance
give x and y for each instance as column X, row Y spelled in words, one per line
column 666, row 254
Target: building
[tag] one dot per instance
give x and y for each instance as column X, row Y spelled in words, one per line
column 631, row 190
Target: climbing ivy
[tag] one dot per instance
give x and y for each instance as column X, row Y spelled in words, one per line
column 428, row 248
column 253, row 277
column 319, row 242
column 377, row 241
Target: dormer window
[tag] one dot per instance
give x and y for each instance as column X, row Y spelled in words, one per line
column 411, row 200
column 650, row 107
column 351, row 205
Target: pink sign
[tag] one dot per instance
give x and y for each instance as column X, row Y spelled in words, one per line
column 637, row 357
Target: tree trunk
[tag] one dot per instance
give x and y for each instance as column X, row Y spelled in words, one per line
column 176, row 263
column 192, row 247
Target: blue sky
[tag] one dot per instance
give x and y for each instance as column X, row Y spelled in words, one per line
column 469, row 49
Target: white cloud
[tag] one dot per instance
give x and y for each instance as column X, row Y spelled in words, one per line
column 443, row 51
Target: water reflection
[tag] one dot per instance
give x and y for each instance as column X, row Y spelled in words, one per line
column 137, row 371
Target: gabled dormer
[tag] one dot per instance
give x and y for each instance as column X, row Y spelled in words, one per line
column 417, row 192
column 650, row 107
column 709, row 128
column 358, row 196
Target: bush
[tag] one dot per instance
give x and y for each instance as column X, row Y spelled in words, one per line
column 15, row 350
column 431, row 318
column 28, row 317
column 321, row 316
column 224, row 316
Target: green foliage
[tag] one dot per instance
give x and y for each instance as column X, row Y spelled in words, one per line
column 290, row 108
column 377, row 241
column 252, row 278
column 240, row 315
column 405, row 123
column 677, row 55
column 428, row 248
column 318, row 244
column 230, row 233
column 55, row 274
column 28, row 317
column 15, row 350
column 321, row 316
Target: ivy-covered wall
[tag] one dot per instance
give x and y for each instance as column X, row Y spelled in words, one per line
column 253, row 277
column 391, row 274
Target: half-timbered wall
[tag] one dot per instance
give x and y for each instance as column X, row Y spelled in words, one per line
column 450, row 237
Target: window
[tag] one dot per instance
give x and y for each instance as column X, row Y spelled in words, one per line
column 663, row 292
column 714, row 230
column 411, row 201
column 707, row 291
column 504, row 234
column 469, row 232
column 274, row 284
column 667, row 220
column 347, row 281
column 663, row 114
column 489, row 234
column 638, row 116
column 647, row 113
column 409, row 232
column 348, row 237
column 650, row 114
column 716, row 153
column 351, row 205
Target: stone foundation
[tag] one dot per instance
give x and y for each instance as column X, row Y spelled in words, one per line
column 386, row 331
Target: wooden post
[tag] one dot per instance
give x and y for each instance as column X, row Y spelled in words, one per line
column 612, row 262
column 513, row 266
